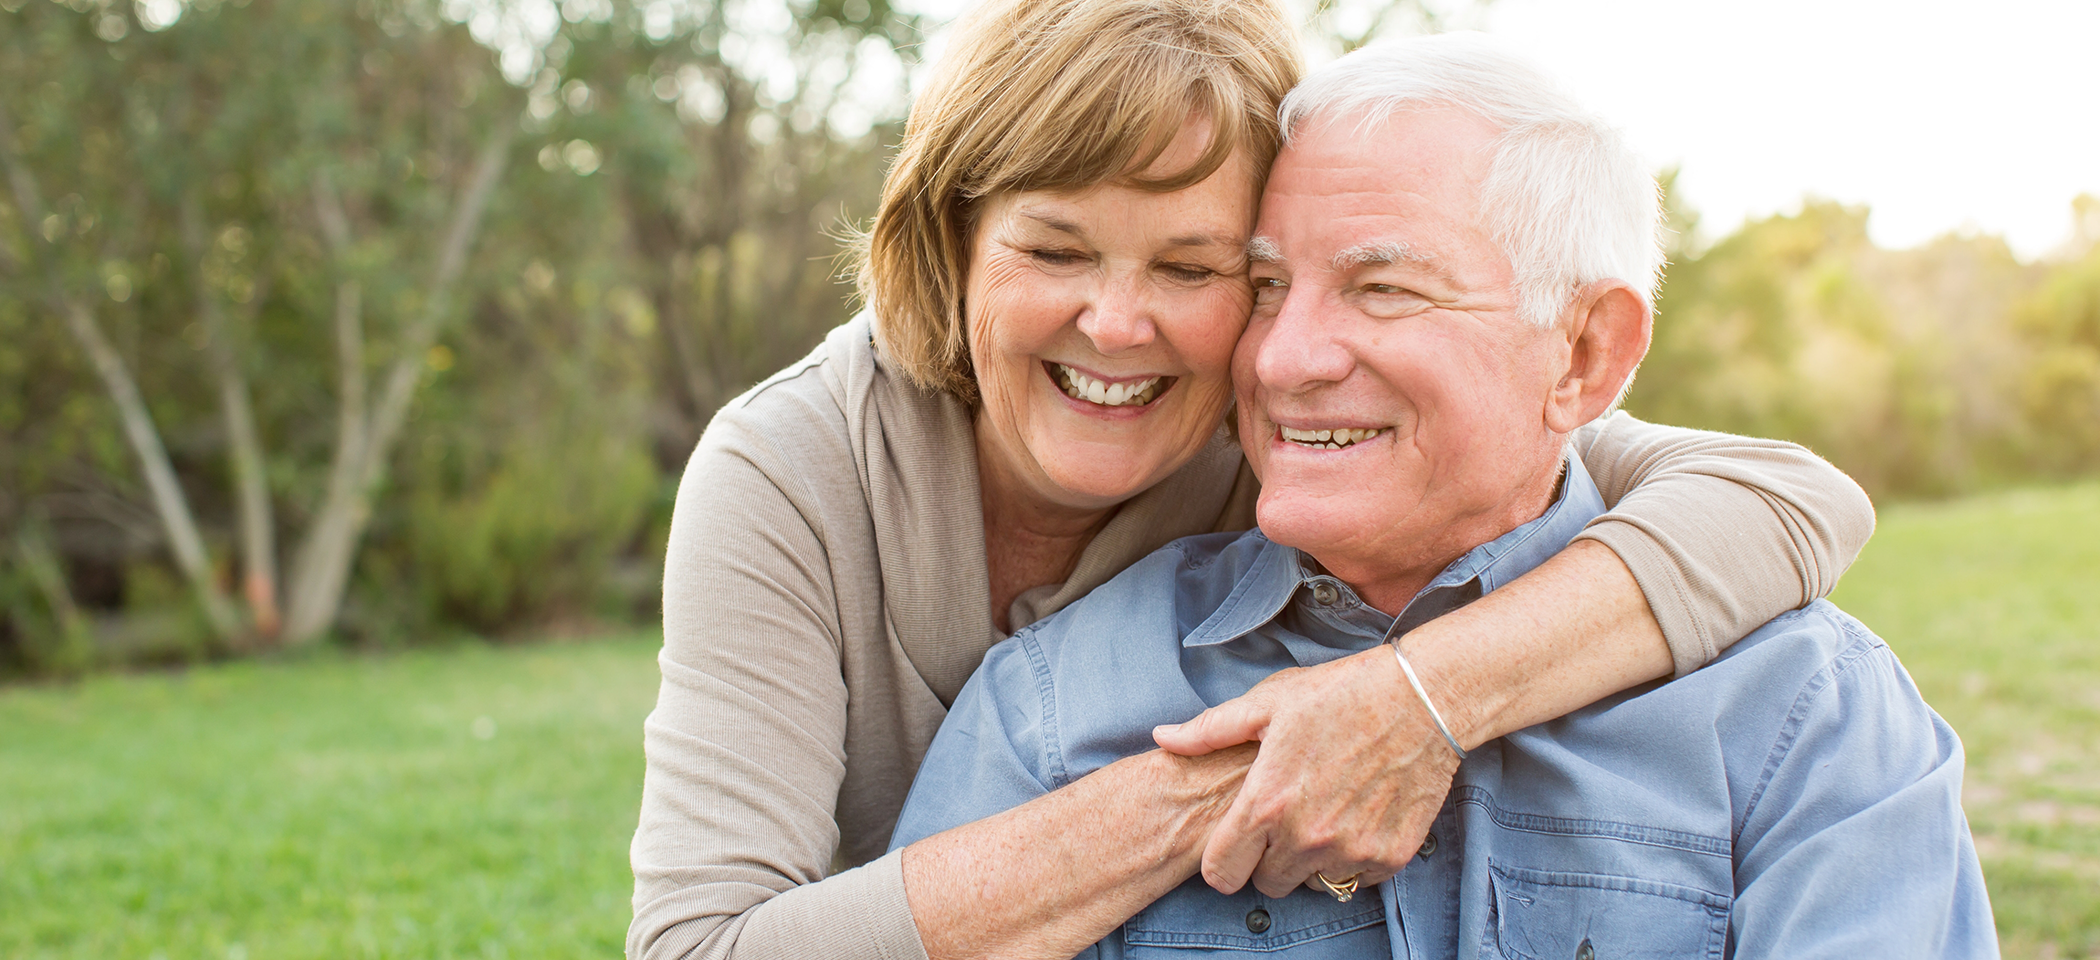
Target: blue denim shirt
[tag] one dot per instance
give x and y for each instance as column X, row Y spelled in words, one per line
column 1796, row 798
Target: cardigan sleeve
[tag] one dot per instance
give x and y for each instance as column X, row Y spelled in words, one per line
column 1721, row 532
column 746, row 749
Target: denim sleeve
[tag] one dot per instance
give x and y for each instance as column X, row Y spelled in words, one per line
column 991, row 752
column 1854, row 844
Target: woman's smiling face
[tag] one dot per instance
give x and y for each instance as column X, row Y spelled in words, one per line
column 1101, row 328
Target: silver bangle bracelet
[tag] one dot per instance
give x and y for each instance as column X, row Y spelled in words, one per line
column 1416, row 683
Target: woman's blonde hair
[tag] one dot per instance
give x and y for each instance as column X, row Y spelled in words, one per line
column 1057, row 95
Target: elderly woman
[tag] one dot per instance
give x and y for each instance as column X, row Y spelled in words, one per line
column 1056, row 280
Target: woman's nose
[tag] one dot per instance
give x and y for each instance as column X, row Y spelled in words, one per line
column 1119, row 320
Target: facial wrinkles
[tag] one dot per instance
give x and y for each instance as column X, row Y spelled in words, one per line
column 1395, row 249
column 1442, row 362
column 1424, row 201
column 1030, row 317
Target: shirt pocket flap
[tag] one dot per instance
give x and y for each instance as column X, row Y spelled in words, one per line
column 1541, row 915
column 1195, row 917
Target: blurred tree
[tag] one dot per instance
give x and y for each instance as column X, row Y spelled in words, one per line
column 195, row 143
column 735, row 139
column 1769, row 329
column 2060, row 322
column 49, row 251
column 268, row 235
column 1905, row 367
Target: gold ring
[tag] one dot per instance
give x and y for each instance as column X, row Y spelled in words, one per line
column 1342, row 891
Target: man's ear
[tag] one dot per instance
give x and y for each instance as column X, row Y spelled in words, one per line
column 1607, row 330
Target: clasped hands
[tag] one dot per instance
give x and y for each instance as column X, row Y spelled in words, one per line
column 1350, row 775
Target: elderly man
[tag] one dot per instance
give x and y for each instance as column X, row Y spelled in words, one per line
column 1454, row 269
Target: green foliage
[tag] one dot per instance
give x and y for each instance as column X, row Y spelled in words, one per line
column 659, row 241
column 1921, row 372
column 2061, row 395
column 531, row 540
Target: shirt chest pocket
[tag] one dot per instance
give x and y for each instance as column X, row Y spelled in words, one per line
column 1585, row 916
column 1195, row 921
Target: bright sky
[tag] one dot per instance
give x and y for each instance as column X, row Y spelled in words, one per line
column 1939, row 115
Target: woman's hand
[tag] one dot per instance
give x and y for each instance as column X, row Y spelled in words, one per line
column 1352, row 771
column 1350, row 776
column 1043, row 880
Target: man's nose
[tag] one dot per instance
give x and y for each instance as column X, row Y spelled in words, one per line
column 1120, row 319
column 1300, row 348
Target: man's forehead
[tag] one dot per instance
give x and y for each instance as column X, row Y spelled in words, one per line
column 1407, row 197
column 1442, row 150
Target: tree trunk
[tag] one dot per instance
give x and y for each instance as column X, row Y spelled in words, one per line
column 168, row 500
column 364, row 441
column 244, row 445
column 321, row 568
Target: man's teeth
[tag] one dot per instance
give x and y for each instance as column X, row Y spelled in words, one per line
column 1329, row 439
column 1079, row 386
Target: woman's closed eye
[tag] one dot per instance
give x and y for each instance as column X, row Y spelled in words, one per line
column 1057, row 257
column 1187, row 272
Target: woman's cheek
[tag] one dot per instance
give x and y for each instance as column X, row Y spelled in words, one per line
column 997, row 308
column 1225, row 315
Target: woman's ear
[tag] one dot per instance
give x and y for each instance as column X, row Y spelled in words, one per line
column 1607, row 329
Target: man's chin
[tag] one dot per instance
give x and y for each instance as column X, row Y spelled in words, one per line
column 1307, row 523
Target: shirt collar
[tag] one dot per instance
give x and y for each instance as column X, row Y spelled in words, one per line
column 1278, row 571
column 1256, row 599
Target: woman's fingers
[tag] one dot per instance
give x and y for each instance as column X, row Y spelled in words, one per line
column 1366, row 877
column 1228, row 723
column 1226, row 868
column 1350, row 775
column 1242, row 719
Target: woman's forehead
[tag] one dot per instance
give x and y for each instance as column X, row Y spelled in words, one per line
column 1215, row 213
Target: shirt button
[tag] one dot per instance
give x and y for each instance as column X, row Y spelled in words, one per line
column 1585, row 952
column 1428, row 847
column 1326, row 594
column 1258, row 920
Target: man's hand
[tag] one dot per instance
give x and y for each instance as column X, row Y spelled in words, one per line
column 1350, row 775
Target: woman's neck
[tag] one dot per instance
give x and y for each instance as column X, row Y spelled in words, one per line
column 1029, row 540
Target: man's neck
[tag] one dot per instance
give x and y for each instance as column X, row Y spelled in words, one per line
column 1391, row 580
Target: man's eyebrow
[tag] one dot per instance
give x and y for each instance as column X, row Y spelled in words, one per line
column 1385, row 252
column 1263, row 250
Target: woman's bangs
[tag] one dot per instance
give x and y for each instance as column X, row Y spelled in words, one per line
column 1112, row 123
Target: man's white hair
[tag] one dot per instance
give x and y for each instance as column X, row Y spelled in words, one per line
column 1565, row 198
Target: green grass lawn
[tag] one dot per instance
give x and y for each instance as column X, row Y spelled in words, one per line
column 1994, row 604
column 469, row 802
column 477, row 802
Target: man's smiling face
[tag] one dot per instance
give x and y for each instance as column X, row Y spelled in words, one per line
column 1390, row 397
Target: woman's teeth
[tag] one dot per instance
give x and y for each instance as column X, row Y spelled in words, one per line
column 1329, row 439
column 1079, row 386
